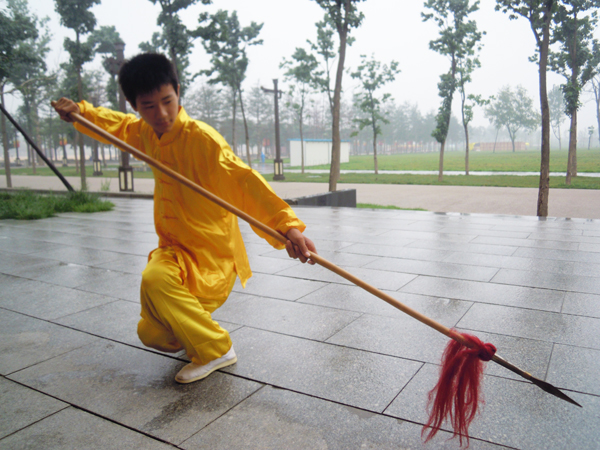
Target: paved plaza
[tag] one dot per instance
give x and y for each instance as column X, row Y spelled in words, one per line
column 321, row 363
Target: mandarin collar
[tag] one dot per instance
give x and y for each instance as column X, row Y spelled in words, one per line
column 170, row 136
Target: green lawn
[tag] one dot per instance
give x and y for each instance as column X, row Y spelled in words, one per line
column 110, row 172
column 26, row 205
column 587, row 161
column 579, row 182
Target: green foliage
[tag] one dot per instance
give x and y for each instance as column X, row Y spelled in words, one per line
column 578, row 60
column 324, row 47
column 103, row 40
column 300, row 75
column 556, row 103
column 26, row 205
column 175, row 38
column 17, row 27
column 513, row 110
column 301, row 67
column 343, row 16
column 458, row 37
column 373, row 76
column 76, row 15
column 226, row 41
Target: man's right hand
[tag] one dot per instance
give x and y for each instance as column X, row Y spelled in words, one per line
column 64, row 107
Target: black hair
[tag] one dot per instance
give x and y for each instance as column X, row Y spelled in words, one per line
column 146, row 73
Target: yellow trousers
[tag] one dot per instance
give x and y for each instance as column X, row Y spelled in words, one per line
column 172, row 318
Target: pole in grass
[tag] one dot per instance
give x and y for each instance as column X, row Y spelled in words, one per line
column 456, row 396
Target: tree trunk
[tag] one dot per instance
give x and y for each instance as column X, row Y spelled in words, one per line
column 544, row 188
column 74, row 147
column 5, row 142
column 301, row 143
column 441, row 168
column 64, row 149
column 467, row 149
column 596, row 87
column 233, row 123
column 571, row 162
column 336, row 144
column 375, row 152
column 496, row 140
column 466, row 128
column 246, row 130
column 81, row 147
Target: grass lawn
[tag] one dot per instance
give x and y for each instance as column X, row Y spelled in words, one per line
column 587, row 161
column 26, row 205
column 110, row 172
column 579, row 182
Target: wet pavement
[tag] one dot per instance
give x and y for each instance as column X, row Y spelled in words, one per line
column 321, row 363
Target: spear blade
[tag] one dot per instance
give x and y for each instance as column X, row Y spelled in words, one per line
column 544, row 385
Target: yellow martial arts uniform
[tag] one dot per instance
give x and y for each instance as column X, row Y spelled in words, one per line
column 201, row 249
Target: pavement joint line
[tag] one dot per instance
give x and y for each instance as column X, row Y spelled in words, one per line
column 67, row 405
column 229, row 409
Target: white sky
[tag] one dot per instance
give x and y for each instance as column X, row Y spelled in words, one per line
column 392, row 30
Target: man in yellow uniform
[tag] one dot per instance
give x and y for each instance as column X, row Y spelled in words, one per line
column 200, row 250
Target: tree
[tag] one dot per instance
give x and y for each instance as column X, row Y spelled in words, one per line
column 226, row 41
column 457, row 40
column 539, row 13
column 466, row 66
column 343, row 16
column 29, row 77
column 17, row 27
column 373, row 76
column 104, row 40
column 206, row 104
column 578, row 61
column 175, row 38
column 556, row 103
column 300, row 72
column 513, row 110
column 76, row 15
column 262, row 110
column 596, row 90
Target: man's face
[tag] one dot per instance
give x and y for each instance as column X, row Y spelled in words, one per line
column 159, row 108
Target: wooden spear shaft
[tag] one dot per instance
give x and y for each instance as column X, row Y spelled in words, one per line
column 314, row 256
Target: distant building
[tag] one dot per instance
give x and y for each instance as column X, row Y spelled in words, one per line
column 316, row 152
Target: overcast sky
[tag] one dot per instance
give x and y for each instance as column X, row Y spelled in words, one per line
column 392, row 30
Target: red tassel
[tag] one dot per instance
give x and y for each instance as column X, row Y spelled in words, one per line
column 456, row 395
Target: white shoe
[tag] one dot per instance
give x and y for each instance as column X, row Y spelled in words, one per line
column 193, row 372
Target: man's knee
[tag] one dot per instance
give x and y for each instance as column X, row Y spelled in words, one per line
column 157, row 278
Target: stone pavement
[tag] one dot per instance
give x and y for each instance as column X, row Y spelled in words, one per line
column 322, row 364
column 573, row 203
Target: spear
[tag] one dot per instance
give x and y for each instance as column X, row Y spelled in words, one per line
column 453, row 392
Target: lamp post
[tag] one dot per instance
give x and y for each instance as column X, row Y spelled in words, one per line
column 125, row 169
column 278, row 163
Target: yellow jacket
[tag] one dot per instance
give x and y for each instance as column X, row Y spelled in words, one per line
column 206, row 238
